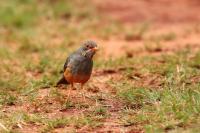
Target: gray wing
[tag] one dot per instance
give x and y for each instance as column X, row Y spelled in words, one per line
column 66, row 63
column 69, row 60
column 78, row 64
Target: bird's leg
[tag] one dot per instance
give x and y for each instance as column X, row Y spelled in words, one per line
column 83, row 94
column 72, row 86
column 82, row 86
column 69, row 91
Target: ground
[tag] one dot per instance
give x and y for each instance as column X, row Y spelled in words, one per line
column 145, row 76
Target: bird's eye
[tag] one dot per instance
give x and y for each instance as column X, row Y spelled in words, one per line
column 87, row 46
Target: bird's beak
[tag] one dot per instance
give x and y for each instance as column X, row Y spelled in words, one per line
column 95, row 49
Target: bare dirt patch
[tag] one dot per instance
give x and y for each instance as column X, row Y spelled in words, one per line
column 164, row 11
column 156, row 41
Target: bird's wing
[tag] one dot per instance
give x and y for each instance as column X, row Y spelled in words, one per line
column 66, row 63
column 69, row 61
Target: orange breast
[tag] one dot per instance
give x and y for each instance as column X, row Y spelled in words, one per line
column 75, row 78
column 68, row 75
column 81, row 78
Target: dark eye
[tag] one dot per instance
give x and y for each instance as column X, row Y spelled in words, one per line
column 87, row 46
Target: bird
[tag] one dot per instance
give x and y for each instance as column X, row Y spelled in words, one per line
column 78, row 65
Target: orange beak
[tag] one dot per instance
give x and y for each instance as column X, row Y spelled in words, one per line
column 95, row 48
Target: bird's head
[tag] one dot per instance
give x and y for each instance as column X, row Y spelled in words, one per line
column 89, row 48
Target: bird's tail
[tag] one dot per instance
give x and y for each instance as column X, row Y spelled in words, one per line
column 62, row 81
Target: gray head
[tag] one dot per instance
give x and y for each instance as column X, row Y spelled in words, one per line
column 89, row 48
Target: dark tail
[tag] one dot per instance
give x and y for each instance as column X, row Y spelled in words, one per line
column 62, row 81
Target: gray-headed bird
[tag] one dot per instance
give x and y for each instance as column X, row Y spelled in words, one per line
column 78, row 66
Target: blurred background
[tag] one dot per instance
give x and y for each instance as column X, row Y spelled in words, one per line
column 32, row 24
column 156, row 11
column 37, row 35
